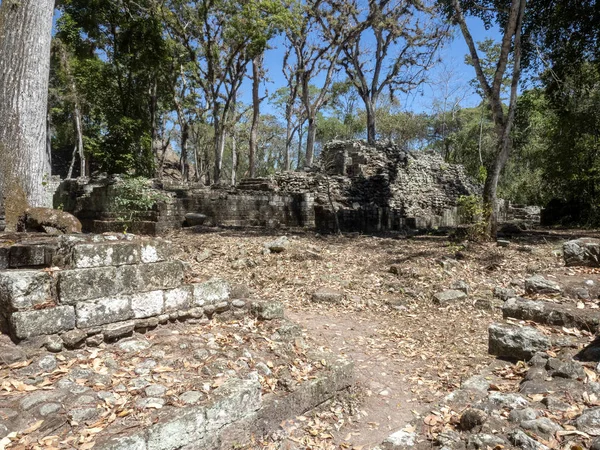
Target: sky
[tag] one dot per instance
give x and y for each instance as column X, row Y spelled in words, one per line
column 421, row 100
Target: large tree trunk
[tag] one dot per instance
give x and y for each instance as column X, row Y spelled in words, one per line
column 311, row 133
column 256, row 69
column 25, row 37
column 371, row 128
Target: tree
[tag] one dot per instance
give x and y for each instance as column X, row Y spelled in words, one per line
column 25, row 38
column 512, row 22
column 315, row 57
column 405, row 35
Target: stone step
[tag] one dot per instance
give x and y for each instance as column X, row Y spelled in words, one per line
column 548, row 313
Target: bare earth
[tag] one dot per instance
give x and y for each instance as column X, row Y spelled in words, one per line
column 408, row 351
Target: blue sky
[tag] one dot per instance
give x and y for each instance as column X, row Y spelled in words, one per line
column 421, row 100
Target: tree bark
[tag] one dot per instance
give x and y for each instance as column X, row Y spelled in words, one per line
column 371, row 122
column 256, row 72
column 311, row 133
column 25, row 37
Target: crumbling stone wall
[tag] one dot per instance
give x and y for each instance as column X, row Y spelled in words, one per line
column 368, row 188
column 89, row 289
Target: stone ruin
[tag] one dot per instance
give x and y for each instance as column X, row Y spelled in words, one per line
column 358, row 187
column 191, row 383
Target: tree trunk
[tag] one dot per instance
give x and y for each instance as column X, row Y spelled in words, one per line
column 219, row 142
column 288, row 144
column 256, row 69
column 371, row 129
column 25, row 38
column 311, row 133
column 233, row 157
column 185, row 132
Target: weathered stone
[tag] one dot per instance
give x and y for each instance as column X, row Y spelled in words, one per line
column 400, row 440
column 103, row 311
column 520, row 415
column 461, row 286
column 160, row 275
column 582, row 252
column 105, row 254
column 24, row 289
column 542, row 426
column 95, row 340
column 178, row 298
column 570, row 369
column 134, row 344
column 87, row 284
column 155, row 390
column 210, row 292
column 472, row 418
column 132, row 442
column 504, row 293
column 25, row 324
column 155, row 251
column 279, row 245
column 502, row 243
column 238, row 303
column 49, row 408
column 327, row 295
column 73, row 338
column 177, row 432
column 47, row 363
column 30, row 255
column 54, row 344
column 85, row 414
column 522, row 441
column 476, row 383
column 37, row 219
column 540, row 285
column 589, row 421
column 147, row 304
column 485, row 441
column 512, row 342
column 194, row 219
column 448, row 296
column 267, row 310
column 118, row 330
column 191, row 397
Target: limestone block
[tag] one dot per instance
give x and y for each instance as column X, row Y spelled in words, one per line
column 178, row 298
column 155, row 251
column 507, row 341
column 30, row 255
column 160, row 275
column 103, row 311
column 211, row 291
column 188, row 427
column 23, row 289
column 147, row 304
column 26, row 324
column 233, row 400
column 105, row 254
column 78, row 285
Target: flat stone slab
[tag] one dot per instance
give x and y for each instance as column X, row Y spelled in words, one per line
column 449, row 296
column 515, row 343
column 549, row 313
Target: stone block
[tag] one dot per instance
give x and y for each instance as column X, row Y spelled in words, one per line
column 31, row 255
column 540, row 285
column 187, row 428
column 582, row 252
column 178, row 298
column 25, row 324
column 233, row 400
column 448, row 296
column 212, row 291
column 327, row 295
column 156, row 251
column 511, row 342
column 160, row 275
column 24, row 289
column 78, row 285
column 147, row 304
column 105, row 254
column 266, row 310
column 118, row 330
column 4, row 257
column 103, row 311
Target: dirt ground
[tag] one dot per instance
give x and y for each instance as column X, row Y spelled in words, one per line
column 408, row 351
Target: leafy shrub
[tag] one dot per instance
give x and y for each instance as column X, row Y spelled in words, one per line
column 131, row 195
column 472, row 211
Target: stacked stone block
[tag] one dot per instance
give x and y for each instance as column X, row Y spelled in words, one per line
column 103, row 289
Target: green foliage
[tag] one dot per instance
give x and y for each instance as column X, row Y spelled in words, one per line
column 472, row 211
column 131, row 195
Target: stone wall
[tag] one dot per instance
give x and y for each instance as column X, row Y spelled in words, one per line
column 89, row 289
column 369, row 189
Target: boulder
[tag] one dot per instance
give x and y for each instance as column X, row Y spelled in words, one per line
column 279, row 245
column 448, row 296
column 582, row 252
column 327, row 295
column 589, row 421
column 540, row 285
column 39, row 219
column 194, row 219
column 511, row 342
